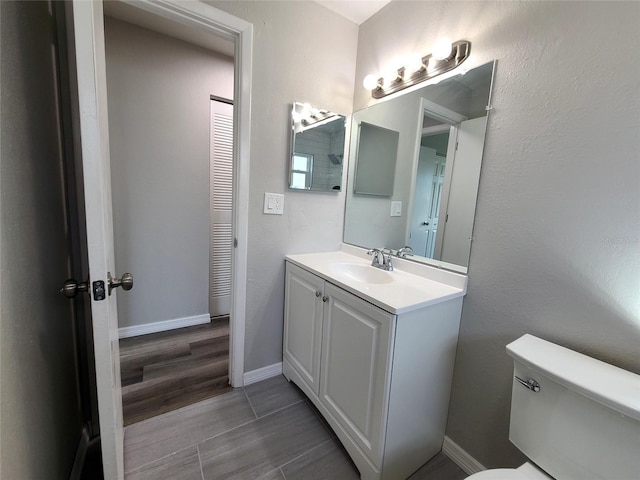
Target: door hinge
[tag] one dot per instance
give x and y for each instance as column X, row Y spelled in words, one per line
column 235, row 243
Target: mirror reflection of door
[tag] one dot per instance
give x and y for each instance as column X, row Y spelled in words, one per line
column 428, row 191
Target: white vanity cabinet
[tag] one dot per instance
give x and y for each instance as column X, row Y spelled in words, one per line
column 303, row 324
column 381, row 380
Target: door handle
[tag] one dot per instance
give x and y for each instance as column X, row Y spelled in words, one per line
column 70, row 288
column 126, row 282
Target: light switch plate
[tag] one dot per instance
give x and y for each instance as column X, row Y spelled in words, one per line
column 396, row 209
column 273, row 203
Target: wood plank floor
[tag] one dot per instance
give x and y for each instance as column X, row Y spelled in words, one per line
column 265, row 431
column 165, row 371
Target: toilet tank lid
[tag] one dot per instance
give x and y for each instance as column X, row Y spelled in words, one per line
column 604, row 383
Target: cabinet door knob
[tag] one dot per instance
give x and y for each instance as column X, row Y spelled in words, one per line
column 318, row 293
column 325, row 298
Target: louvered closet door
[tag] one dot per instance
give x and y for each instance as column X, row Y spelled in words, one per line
column 221, row 232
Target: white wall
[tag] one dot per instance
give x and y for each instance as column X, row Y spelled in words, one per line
column 301, row 52
column 159, row 108
column 557, row 230
column 40, row 418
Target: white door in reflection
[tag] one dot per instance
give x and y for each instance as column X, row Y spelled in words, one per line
column 427, row 197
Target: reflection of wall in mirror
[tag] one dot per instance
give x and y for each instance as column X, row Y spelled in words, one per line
column 321, row 144
column 367, row 219
column 462, row 197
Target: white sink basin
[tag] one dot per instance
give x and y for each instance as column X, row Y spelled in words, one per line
column 361, row 273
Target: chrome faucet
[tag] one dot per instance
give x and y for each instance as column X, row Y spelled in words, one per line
column 404, row 252
column 381, row 259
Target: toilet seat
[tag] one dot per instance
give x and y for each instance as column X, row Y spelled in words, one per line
column 527, row 471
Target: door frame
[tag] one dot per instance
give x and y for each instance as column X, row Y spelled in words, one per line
column 450, row 120
column 195, row 14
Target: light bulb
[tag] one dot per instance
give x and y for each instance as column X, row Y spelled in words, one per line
column 392, row 76
column 370, row 82
column 413, row 64
column 442, row 49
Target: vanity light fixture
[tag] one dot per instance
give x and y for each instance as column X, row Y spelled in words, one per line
column 304, row 116
column 445, row 57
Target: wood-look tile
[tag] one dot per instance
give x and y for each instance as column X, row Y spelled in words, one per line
column 129, row 376
column 210, row 346
column 159, row 436
column 161, row 404
column 274, row 475
column 167, row 370
column 145, row 345
column 136, row 360
column 272, row 394
column 219, row 325
column 150, row 398
column 181, row 365
column 182, row 465
column 261, row 446
column 439, row 467
column 328, row 461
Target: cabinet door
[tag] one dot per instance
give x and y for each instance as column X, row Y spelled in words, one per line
column 356, row 362
column 303, row 323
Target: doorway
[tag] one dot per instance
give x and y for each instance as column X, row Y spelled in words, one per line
column 435, row 159
column 93, row 138
column 161, row 137
column 428, row 191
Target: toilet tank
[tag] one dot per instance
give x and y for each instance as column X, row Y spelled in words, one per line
column 583, row 422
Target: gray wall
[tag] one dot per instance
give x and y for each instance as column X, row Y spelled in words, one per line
column 301, row 52
column 159, row 90
column 40, row 413
column 557, row 230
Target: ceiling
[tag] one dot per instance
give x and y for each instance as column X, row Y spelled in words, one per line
column 137, row 16
column 355, row 10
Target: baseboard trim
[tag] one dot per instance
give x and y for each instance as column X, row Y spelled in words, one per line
column 460, row 457
column 263, row 373
column 135, row 330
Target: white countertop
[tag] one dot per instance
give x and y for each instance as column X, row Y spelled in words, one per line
column 413, row 286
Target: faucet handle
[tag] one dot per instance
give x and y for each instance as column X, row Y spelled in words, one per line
column 377, row 255
column 404, row 252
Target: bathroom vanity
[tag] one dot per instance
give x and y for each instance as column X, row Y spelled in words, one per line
column 374, row 351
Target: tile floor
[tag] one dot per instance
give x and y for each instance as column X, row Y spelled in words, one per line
column 264, row 431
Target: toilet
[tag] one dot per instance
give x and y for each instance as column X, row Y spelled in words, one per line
column 574, row 417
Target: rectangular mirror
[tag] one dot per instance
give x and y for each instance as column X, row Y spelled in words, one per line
column 317, row 149
column 431, row 207
column 376, row 154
